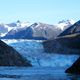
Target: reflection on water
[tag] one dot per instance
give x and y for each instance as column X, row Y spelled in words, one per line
column 35, row 73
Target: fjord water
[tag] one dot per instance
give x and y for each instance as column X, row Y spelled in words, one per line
column 46, row 66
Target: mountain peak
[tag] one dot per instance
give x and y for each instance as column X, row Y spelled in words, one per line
column 18, row 21
column 65, row 23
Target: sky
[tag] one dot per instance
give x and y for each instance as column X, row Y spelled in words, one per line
column 46, row 11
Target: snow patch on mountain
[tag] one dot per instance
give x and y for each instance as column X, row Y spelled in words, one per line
column 5, row 28
column 65, row 24
column 45, row 30
column 39, row 30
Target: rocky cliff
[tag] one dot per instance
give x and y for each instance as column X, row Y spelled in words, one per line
column 10, row 57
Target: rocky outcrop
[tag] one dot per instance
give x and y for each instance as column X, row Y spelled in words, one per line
column 75, row 68
column 10, row 57
column 71, row 41
column 69, row 44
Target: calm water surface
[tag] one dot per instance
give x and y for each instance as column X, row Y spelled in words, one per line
column 35, row 73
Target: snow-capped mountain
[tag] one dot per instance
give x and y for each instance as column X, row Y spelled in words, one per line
column 26, row 30
column 18, row 24
column 64, row 24
column 5, row 28
column 45, row 30
column 34, row 31
column 72, row 29
column 19, row 33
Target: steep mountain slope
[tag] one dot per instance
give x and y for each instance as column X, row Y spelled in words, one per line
column 64, row 24
column 5, row 28
column 71, row 41
column 45, row 30
column 75, row 68
column 68, row 40
column 19, row 33
column 10, row 57
column 34, row 31
column 72, row 29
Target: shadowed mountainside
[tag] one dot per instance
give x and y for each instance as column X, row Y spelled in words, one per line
column 67, row 42
column 10, row 57
column 75, row 28
column 75, row 68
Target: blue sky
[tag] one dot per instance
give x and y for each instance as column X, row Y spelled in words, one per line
column 47, row 11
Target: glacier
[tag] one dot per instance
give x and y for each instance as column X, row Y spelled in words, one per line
column 33, row 50
column 46, row 66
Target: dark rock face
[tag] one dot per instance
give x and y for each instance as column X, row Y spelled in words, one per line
column 75, row 68
column 59, row 46
column 68, row 40
column 10, row 57
column 72, row 29
column 72, row 41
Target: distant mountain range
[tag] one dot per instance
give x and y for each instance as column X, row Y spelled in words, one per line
column 26, row 30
